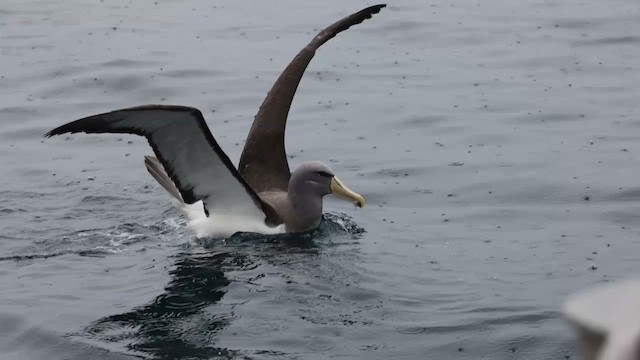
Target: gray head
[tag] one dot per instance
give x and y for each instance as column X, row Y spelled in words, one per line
column 316, row 178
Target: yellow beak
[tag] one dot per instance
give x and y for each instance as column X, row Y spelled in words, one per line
column 342, row 191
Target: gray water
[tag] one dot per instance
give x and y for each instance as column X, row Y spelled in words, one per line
column 495, row 141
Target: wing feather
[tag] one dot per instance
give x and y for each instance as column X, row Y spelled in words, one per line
column 194, row 161
column 263, row 163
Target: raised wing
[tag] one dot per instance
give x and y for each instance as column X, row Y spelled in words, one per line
column 194, row 161
column 263, row 163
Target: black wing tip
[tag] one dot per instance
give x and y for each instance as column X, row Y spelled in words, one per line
column 375, row 8
column 370, row 11
column 344, row 24
column 362, row 15
column 87, row 125
column 81, row 125
column 66, row 128
column 96, row 123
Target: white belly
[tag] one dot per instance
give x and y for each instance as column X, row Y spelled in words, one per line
column 222, row 225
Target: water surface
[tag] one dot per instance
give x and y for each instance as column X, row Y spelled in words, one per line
column 495, row 142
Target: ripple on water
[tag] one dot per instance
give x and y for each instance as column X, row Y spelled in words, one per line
column 413, row 330
column 91, row 242
column 5, row 211
column 481, row 324
column 262, row 328
column 334, row 227
column 191, row 73
column 180, row 302
column 128, row 63
column 320, row 344
column 613, row 40
column 21, row 340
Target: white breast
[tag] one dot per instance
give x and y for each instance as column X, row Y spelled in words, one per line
column 222, row 225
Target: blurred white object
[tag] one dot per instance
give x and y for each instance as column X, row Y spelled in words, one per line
column 607, row 320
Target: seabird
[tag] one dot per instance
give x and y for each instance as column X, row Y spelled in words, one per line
column 262, row 195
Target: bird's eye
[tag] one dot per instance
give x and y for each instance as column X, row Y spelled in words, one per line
column 324, row 173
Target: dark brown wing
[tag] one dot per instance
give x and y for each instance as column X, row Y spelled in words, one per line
column 263, row 163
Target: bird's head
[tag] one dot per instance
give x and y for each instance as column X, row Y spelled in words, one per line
column 318, row 178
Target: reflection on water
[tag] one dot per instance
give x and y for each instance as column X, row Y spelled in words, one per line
column 183, row 321
column 170, row 326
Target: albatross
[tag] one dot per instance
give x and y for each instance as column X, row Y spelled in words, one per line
column 262, row 195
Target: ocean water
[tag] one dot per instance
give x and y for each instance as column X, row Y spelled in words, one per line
column 496, row 143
